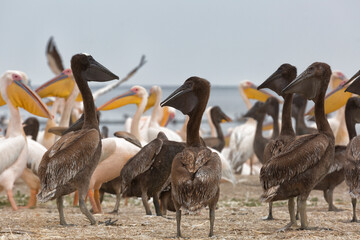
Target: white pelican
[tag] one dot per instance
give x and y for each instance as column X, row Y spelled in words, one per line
column 14, row 148
column 156, row 116
column 242, row 137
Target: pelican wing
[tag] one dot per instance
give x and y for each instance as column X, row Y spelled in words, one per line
column 128, row 137
column 10, row 149
column 66, row 158
column 352, row 167
column 339, row 160
column 53, row 57
column 297, row 157
column 141, row 162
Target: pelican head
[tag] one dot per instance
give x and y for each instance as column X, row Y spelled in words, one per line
column 135, row 95
column 15, row 92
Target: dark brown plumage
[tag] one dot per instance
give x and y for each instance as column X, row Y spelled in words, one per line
column 217, row 117
column 336, row 176
column 196, row 170
column 284, row 75
column 31, row 127
column 352, row 166
column 147, row 173
column 68, row 165
column 304, row 162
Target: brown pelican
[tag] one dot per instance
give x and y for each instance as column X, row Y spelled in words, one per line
column 336, row 175
column 276, row 82
column 196, row 170
column 302, row 163
column 216, row 116
column 68, row 165
column 352, row 167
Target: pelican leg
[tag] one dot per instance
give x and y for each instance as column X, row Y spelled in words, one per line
column 353, row 201
column 330, row 201
column 144, row 199
column 97, row 200
column 291, row 207
column 76, row 198
column 10, row 196
column 212, row 220
column 32, row 200
column 60, row 206
column 270, row 216
column 84, row 210
column 163, row 208
column 326, row 196
column 102, row 193
column 92, row 201
column 157, row 205
column 117, row 203
column 303, row 216
column 178, row 220
column 297, row 208
column 251, row 164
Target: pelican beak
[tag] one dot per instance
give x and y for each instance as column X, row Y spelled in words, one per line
column 268, row 126
column 60, row 86
column 334, row 100
column 167, row 117
column 97, row 72
column 253, row 92
column 79, row 98
column 151, row 101
column 303, row 84
column 119, row 101
column 2, row 101
column 22, row 96
column 227, row 119
column 182, row 99
column 355, row 86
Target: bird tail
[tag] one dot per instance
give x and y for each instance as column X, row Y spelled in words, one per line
column 269, row 194
column 45, row 196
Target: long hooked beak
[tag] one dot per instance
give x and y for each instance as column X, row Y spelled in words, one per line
column 354, row 87
column 124, row 99
column 22, row 96
column 252, row 92
column 60, row 86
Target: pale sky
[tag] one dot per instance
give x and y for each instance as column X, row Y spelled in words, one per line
column 224, row 41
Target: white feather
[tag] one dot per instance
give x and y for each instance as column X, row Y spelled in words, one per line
column 10, row 149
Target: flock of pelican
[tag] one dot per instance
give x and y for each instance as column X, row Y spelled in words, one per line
column 179, row 170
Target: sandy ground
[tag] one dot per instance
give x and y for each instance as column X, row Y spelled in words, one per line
column 239, row 216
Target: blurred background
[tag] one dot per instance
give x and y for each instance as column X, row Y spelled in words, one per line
column 223, row 41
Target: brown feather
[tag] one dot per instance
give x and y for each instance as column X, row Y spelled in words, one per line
column 62, row 163
column 352, row 167
column 140, row 163
column 195, row 177
column 293, row 162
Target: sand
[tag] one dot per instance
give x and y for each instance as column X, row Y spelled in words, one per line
column 239, row 216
